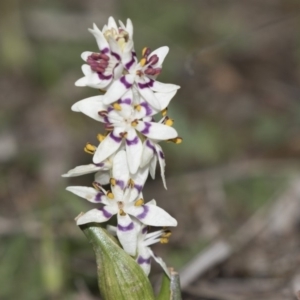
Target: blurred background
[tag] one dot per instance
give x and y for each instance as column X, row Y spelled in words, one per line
column 233, row 184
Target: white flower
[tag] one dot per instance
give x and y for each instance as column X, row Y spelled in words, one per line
column 144, row 241
column 142, row 77
column 124, row 122
column 116, row 48
column 125, row 201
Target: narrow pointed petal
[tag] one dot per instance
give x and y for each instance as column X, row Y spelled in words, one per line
column 97, row 215
column 126, row 232
column 152, row 202
column 82, row 170
column 156, row 131
column 129, row 28
column 134, row 149
column 149, row 151
column 161, row 54
column 152, row 215
column 162, row 164
column 102, row 177
column 88, row 193
column 85, row 55
column 153, row 166
column 100, row 39
column 114, row 49
column 107, row 147
column 164, row 87
column 120, row 170
column 139, row 179
column 128, row 58
column 160, row 261
column 112, row 23
column 90, row 107
column 118, row 88
column 165, row 98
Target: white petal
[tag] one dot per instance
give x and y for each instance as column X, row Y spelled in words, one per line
column 97, row 215
column 156, row 131
column 161, row 54
column 134, row 149
column 126, row 232
column 107, row 147
column 144, row 259
column 164, row 87
column 115, row 49
column 162, row 163
column 102, row 177
column 82, row 170
column 139, row 179
column 88, row 193
column 112, row 23
column 164, row 99
column 83, row 81
column 112, row 229
column 120, row 170
column 118, row 88
column 101, row 40
column 152, row 202
column 152, row 215
column 90, row 107
column 129, row 60
column 153, row 166
column 160, row 261
column 85, row 55
column 145, row 90
column 149, row 151
column 129, row 28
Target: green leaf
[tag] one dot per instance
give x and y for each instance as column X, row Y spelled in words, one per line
column 119, row 276
column 170, row 288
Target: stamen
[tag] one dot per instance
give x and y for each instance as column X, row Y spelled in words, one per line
column 164, row 240
column 139, row 202
column 102, row 113
column 100, row 137
column 117, row 106
column 122, row 213
column 89, row 148
column 168, row 121
column 131, row 183
column 110, row 195
column 138, row 107
column 143, row 61
column 146, row 51
column 177, row 140
column 113, row 181
column 166, row 234
column 134, row 123
column 123, row 134
column 96, row 185
column 164, row 112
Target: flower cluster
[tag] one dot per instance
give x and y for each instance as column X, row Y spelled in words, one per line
column 129, row 149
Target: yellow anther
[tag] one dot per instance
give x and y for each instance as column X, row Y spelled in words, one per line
column 89, row 148
column 100, row 137
column 117, row 106
column 122, row 212
column 144, row 51
column 134, row 123
column 166, row 234
column 138, row 107
column 164, row 112
column 177, row 140
column 139, row 202
column 113, row 181
column 164, row 240
column 143, row 62
column 131, row 183
column 169, row 122
column 110, row 195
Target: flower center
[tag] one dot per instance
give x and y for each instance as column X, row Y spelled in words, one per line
column 121, row 36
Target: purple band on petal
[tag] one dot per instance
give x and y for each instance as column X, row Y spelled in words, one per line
column 106, row 214
column 115, row 138
column 144, row 213
column 105, row 50
column 145, row 229
column 149, row 145
column 98, row 197
column 104, row 77
column 125, row 82
column 116, row 55
column 121, row 184
column 147, row 108
column 139, row 187
column 130, row 64
column 142, row 260
column 99, row 165
column 132, row 142
column 126, row 228
column 146, row 129
column 146, row 84
column 161, row 154
column 125, row 101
